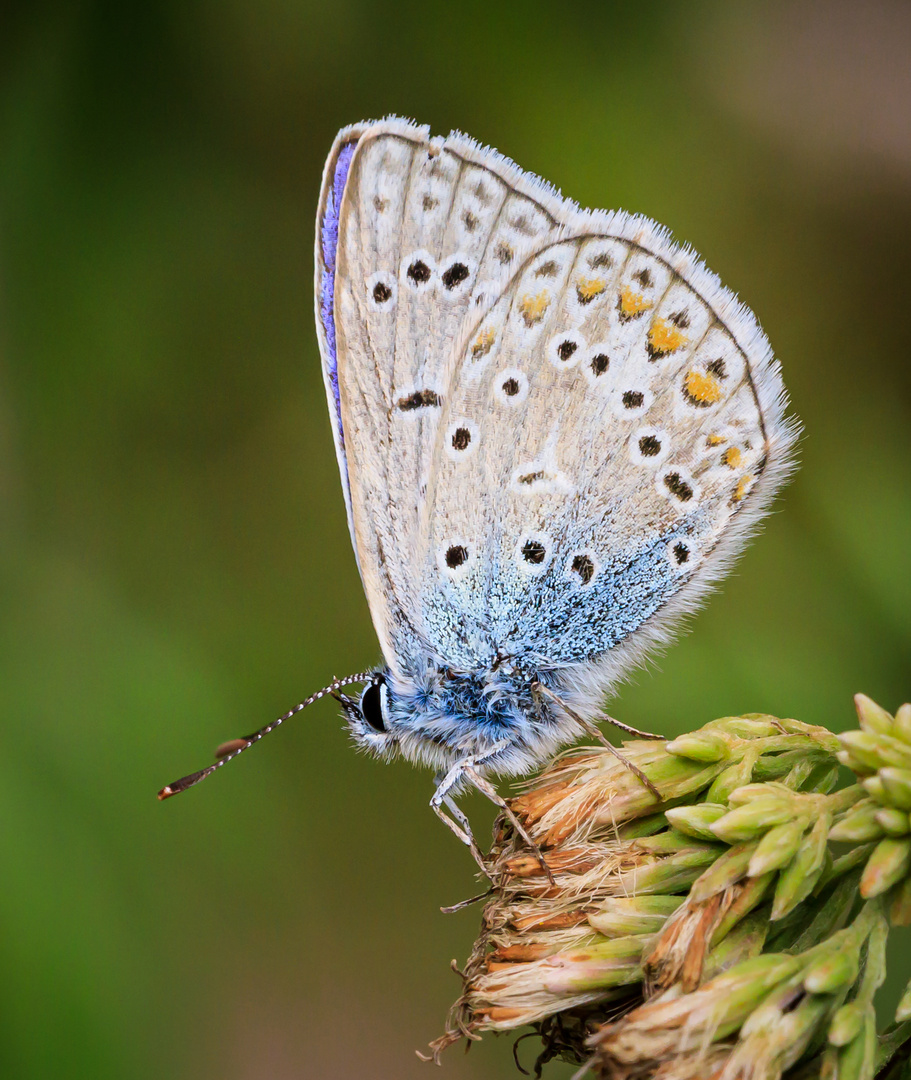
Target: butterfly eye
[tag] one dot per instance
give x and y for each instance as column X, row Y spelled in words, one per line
column 373, row 706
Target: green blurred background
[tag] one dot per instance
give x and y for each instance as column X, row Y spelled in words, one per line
column 174, row 559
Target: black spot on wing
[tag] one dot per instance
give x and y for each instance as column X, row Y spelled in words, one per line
column 419, row 272
column 678, row 487
column 583, row 567
column 420, row 399
column 533, row 551
column 455, row 275
column 456, row 555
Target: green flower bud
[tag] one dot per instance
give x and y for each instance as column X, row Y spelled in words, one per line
column 606, row 964
column 695, row 820
column 864, row 747
column 699, row 746
column 832, row 972
column 846, row 1024
column 843, row 800
column 667, row 875
column 777, row 848
column 889, row 863
column 743, row 795
column 896, row 784
column 800, row 876
column 853, row 763
column 877, row 750
column 746, row 727
column 643, row 826
column 622, row 916
column 732, row 778
column 894, row 822
column 857, row 1060
column 875, row 788
column 872, row 717
column 859, row 824
column 672, row 841
column 726, row 870
column 742, row 987
column 753, row 819
column 903, row 723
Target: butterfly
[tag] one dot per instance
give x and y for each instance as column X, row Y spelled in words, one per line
column 555, row 430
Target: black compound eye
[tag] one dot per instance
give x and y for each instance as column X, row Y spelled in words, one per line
column 372, row 706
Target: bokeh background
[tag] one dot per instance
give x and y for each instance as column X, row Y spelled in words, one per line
column 174, row 560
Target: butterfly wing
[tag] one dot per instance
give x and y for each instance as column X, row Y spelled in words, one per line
column 416, row 238
column 604, row 457
column 555, row 428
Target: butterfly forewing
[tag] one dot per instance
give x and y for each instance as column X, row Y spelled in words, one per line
column 428, row 238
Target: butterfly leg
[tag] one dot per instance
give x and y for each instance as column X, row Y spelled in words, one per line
column 459, row 815
column 446, row 782
column 455, row 819
column 486, row 788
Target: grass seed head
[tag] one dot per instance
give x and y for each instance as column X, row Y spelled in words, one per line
column 706, row 932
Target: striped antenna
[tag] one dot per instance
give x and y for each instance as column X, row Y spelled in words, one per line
column 229, row 750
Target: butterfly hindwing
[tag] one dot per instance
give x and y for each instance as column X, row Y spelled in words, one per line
column 604, row 458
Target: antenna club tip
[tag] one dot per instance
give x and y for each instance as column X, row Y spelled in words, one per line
column 233, row 746
column 165, row 793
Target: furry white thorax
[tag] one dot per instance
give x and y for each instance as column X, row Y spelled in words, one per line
column 446, row 717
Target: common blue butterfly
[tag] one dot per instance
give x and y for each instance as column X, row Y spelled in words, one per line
column 555, row 430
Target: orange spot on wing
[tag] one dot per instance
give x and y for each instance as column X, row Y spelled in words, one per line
column 732, row 457
column 483, row 343
column 533, row 307
column 743, row 486
column 715, row 440
column 631, row 302
column 702, row 388
column 589, row 288
column 664, row 338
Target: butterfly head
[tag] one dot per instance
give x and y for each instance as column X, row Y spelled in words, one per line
column 370, row 716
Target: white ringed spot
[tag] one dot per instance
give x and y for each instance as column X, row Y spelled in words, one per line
column 454, row 557
column 511, row 387
column 565, row 349
column 382, row 290
column 461, row 439
column 534, row 552
column 649, row 446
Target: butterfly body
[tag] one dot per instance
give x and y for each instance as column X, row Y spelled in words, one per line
column 440, row 717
